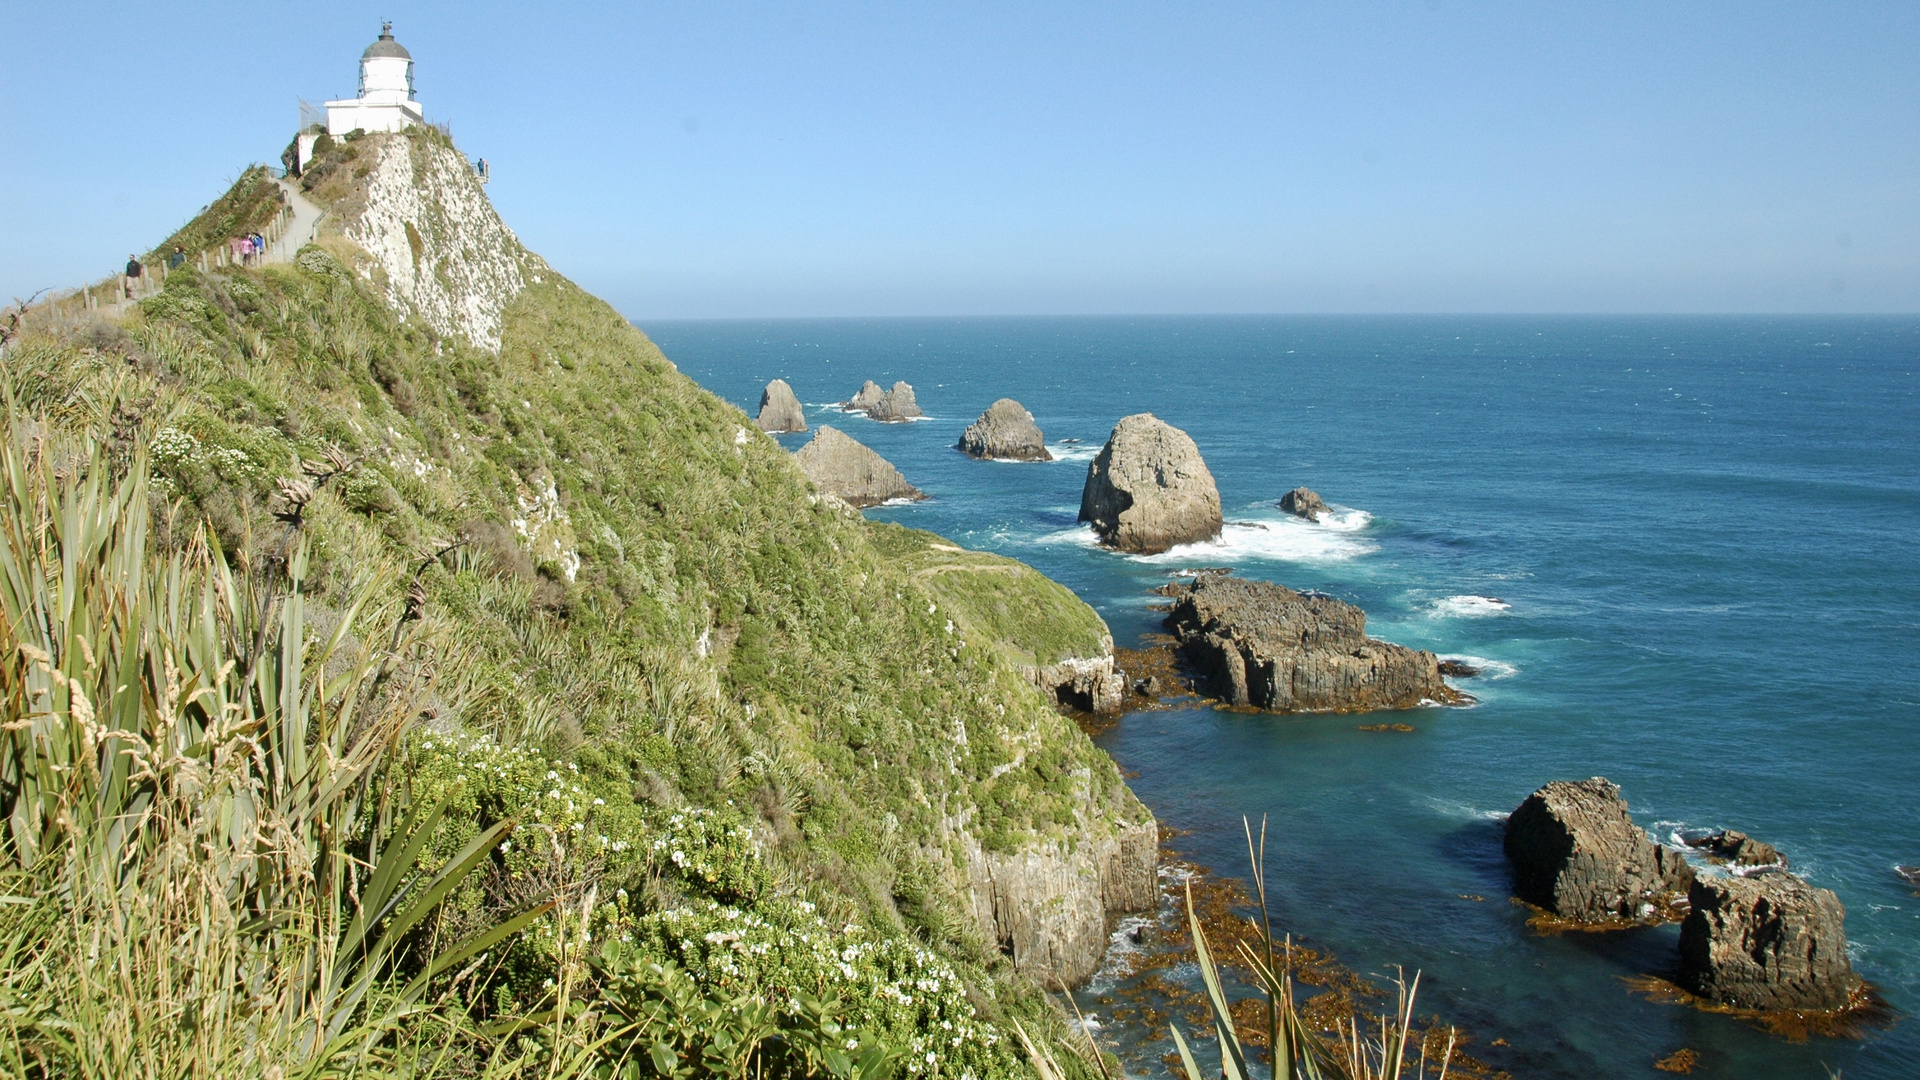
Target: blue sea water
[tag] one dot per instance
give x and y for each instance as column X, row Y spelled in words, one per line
column 1686, row 550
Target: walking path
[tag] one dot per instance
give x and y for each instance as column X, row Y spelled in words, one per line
column 299, row 232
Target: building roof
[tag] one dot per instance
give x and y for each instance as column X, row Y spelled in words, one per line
column 386, row 46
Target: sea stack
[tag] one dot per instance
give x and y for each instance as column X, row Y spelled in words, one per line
column 840, row 466
column 1263, row 645
column 869, row 396
column 1303, row 502
column 895, row 405
column 1577, row 854
column 1768, row 941
column 1149, row 489
column 779, row 409
column 1005, row 432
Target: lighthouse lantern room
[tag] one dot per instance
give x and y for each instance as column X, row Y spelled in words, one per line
column 385, row 101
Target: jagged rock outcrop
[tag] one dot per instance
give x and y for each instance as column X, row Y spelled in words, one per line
column 440, row 252
column 1767, row 941
column 1149, row 489
column 1086, row 684
column 1049, row 907
column 869, row 396
column 896, row 405
column 840, row 466
column 1005, row 432
column 1735, row 847
column 779, row 409
column 1577, row 854
column 1303, row 502
column 1261, row 644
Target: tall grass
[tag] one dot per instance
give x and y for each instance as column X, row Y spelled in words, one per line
column 203, row 875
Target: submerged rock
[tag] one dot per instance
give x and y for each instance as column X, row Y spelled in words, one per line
column 1735, row 847
column 895, row 405
column 1005, row 432
column 869, row 396
column 1264, row 645
column 1303, row 502
column 1576, row 853
column 1458, row 670
column 1148, row 489
column 840, row 466
column 779, row 409
column 1768, row 941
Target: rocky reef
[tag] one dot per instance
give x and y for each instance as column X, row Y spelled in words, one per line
column 1149, row 489
column 779, row 409
column 1260, row 644
column 1577, row 854
column 842, row 467
column 1304, row 503
column 1735, row 847
column 1005, row 432
column 1767, row 941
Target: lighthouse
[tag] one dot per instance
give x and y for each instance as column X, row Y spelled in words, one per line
column 385, row 101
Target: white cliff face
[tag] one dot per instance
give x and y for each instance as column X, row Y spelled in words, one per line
column 446, row 257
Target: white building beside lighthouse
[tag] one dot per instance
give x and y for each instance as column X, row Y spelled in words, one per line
column 385, row 101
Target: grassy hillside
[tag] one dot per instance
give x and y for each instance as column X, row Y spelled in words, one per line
column 731, row 708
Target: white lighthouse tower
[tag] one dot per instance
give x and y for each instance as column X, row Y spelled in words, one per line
column 385, row 101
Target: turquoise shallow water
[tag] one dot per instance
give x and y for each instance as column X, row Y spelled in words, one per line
column 1704, row 539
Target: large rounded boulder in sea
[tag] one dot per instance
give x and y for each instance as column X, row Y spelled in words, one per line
column 866, row 398
column 1577, row 854
column 1149, row 489
column 840, row 466
column 780, row 409
column 1005, row 432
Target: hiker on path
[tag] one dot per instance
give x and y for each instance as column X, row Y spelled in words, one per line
column 133, row 274
column 176, row 260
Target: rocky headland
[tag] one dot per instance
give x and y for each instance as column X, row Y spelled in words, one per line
column 1258, row 644
column 1149, row 489
column 841, row 466
column 1005, row 432
column 1304, row 503
column 780, row 410
column 1577, row 855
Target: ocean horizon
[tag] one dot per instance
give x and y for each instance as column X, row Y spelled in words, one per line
column 1681, row 549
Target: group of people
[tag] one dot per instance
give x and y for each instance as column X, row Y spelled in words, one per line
column 247, row 249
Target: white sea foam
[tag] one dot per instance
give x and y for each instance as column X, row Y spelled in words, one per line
column 1287, row 539
column 1079, row 536
column 1073, row 452
column 1489, row 669
column 1345, row 519
column 1469, row 607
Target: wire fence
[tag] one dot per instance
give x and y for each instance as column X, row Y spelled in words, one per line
column 118, row 290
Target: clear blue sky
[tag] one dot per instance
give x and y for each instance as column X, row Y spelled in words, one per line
column 934, row 158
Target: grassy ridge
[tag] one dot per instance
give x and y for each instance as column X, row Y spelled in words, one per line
column 609, row 576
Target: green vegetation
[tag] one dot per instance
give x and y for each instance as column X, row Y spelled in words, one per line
column 541, row 671
column 249, row 206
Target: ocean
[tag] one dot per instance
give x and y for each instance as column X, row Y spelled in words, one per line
column 1685, row 551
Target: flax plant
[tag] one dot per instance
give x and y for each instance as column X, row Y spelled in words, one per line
column 204, row 876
